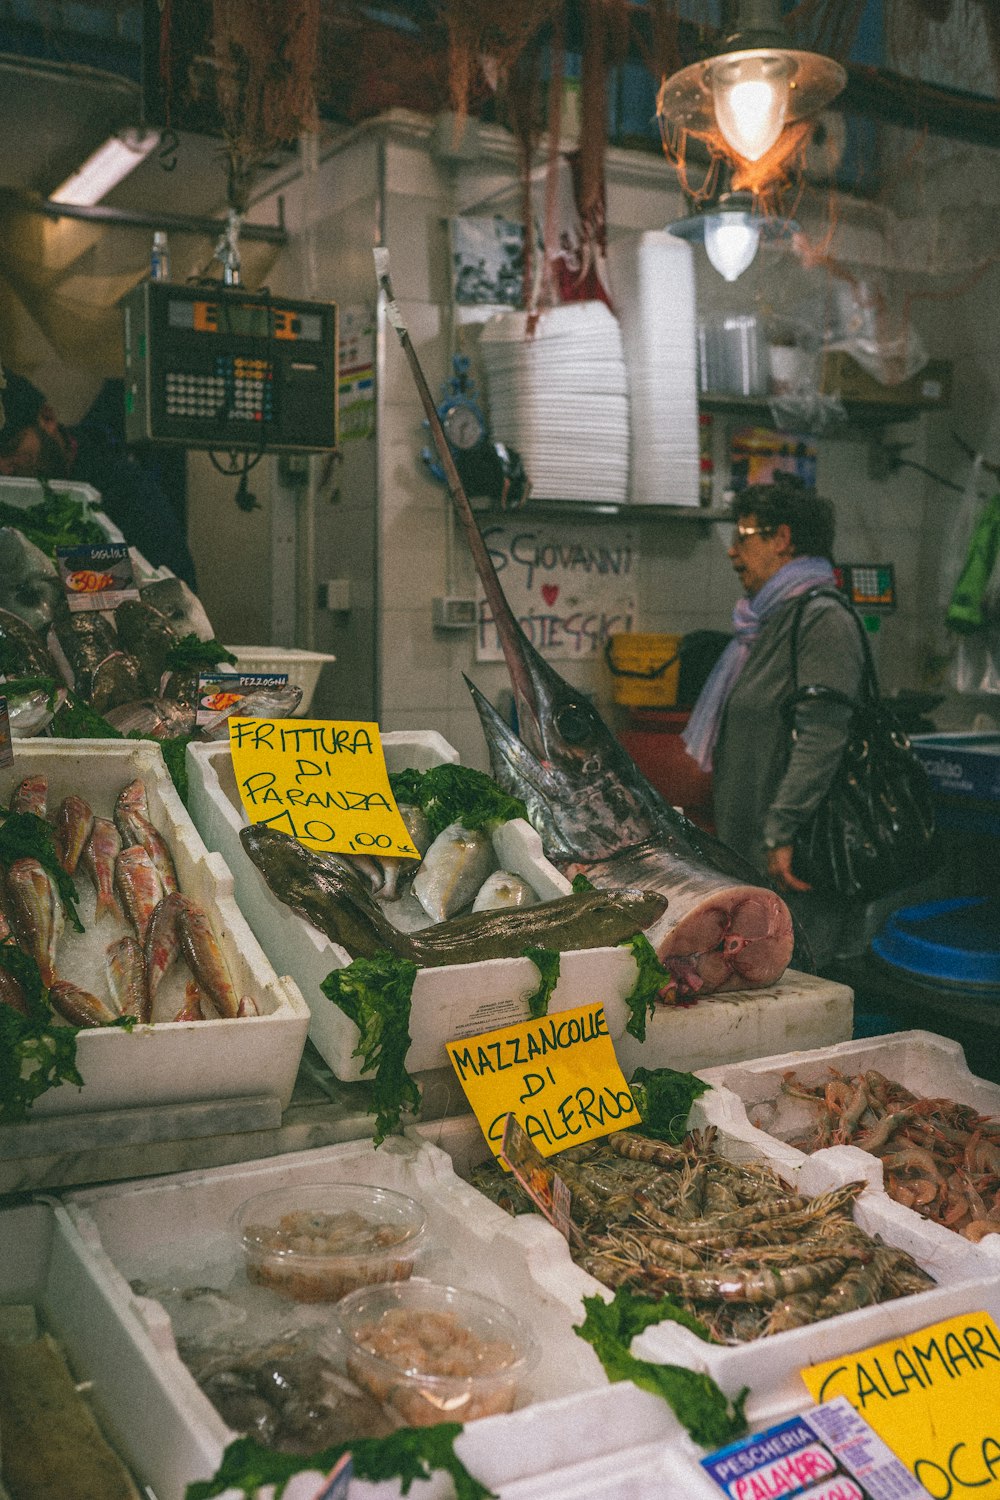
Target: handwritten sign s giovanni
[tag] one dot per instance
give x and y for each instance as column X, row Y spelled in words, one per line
column 569, row 592
column 323, row 781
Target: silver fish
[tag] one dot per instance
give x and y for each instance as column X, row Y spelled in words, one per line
column 590, row 802
column 37, row 914
column 503, row 889
column 184, row 610
column 31, row 712
column 265, row 703
column 452, row 870
column 29, row 582
column 156, row 718
column 406, row 914
column 133, row 822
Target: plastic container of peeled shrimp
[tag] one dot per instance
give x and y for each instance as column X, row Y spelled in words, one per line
column 756, row 1103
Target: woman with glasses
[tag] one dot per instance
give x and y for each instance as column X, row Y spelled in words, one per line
column 765, row 779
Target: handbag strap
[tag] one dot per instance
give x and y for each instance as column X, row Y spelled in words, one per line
column 869, row 680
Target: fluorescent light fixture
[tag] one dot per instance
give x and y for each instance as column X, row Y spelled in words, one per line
column 731, row 231
column 108, row 166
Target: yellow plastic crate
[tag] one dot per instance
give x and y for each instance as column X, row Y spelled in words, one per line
column 645, row 669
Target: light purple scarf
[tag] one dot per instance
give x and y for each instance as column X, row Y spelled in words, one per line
column 794, row 578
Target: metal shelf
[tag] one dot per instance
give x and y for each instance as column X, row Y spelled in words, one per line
column 860, row 414
column 599, row 510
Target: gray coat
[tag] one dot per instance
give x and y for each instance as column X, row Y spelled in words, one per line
column 764, row 784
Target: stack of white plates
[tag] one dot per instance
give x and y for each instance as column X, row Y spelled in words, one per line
column 558, row 395
column 652, row 281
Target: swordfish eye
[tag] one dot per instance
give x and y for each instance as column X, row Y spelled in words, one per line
column 575, row 722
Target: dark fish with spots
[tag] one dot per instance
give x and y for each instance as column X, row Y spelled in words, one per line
column 331, row 897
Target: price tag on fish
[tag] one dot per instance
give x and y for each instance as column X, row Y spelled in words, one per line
column 96, row 577
column 558, row 1075
column 934, row 1397
column 323, row 781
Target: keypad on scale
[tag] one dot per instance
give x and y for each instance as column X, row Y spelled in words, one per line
column 251, row 390
column 191, row 395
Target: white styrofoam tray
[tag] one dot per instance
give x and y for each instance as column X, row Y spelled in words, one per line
column 770, row 1367
column 178, row 1228
column 447, row 1003
column 303, row 667
column 926, row 1064
column 24, row 493
column 741, row 1023
column 170, row 1061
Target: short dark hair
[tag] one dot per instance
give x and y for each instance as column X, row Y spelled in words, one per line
column 789, row 501
column 22, row 402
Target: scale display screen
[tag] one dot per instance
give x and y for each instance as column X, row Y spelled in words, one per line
column 230, row 369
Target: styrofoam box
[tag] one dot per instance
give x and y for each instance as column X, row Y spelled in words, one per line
column 179, row 1061
column 447, row 1003
column 926, row 1064
column 770, row 1367
column 176, row 1230
column 303, row 667
column 24, row 493
column 609, row 1443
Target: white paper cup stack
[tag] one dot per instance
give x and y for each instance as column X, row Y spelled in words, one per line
column 559, row 397
column 652, row 282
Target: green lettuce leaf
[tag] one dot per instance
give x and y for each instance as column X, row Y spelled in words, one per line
column 664, row 1098
column 546, row 961
column 76, row 720
column 700, row 1406
column 190, row 651
column 35, row 1053
column 406, row 1455
column 375, row 993
column 581, row 883
column 26, row 836
column 57, row 521
column 19, row 687
column 651, row 979
column 456, row 794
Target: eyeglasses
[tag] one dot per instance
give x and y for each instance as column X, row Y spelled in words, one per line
column 740, row 533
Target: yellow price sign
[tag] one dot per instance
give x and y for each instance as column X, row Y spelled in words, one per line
column 557, row 1075
column 323, row 781
column 934, row 1398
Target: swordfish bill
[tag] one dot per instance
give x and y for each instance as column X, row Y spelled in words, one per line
column 593, row 809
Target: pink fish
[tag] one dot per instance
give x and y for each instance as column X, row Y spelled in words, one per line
column 31, row 796
column 74, row 822
column 126, row 969
column 79, row 1006
column 98, row 859
column 138, row 885
column 135, row 827
column 37, row 914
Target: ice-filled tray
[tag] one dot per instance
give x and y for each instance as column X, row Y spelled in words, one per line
column 747, row 1100
column 178, row 1228
column 770, row 1366
column 447, row 1003
column 171, row 1061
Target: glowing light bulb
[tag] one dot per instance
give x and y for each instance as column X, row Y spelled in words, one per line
column 731, row 241
column 751, row 100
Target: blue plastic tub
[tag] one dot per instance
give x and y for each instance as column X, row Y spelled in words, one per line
column 955, row 942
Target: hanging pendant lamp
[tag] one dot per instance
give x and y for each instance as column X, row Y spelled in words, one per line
column 731, row 230
column 753, row 86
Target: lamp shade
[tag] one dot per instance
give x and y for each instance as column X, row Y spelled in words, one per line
column 731, row 231
column 807, row 81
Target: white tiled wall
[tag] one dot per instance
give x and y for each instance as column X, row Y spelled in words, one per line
column 389, row 527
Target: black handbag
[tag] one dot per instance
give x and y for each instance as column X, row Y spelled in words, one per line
column 874, row 829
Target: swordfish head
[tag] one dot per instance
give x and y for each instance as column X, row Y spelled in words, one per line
column 584, row 794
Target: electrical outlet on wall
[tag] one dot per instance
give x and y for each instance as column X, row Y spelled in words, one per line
column 454, row 612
